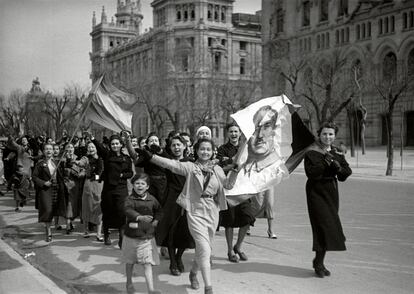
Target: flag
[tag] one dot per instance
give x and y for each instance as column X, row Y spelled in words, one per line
column 271, row 123
column 109, row 106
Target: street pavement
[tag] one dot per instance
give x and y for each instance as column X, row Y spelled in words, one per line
column 377, row 214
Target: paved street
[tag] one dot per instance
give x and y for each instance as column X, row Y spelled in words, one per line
column 378, row 221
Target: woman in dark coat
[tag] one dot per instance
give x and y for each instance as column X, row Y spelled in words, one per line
column 172, row 231
column 44, row 177
column 117, row 170
column 325, row 165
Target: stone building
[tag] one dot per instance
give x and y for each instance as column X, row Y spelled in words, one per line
column 198, row 64
column 374, row 37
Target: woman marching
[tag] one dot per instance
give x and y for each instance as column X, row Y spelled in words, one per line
column 44, row 177
column 92, row 189
column 324, row 166
column 202, row 197
column 117, row 170
column 172, row 232
column 73, row 179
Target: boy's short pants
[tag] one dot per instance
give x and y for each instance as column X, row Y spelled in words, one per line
column 140, row 251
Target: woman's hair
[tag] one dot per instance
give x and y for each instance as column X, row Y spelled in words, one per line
column 152, row 134
column 198, row 144
column 141, row 176
column 66, row 145
column 232, row 124
column 328, row 125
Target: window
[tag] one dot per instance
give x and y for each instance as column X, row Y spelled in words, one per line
column 337, row 37
column 242, row 66
column 411, row 19
column 389, row 67
column 184, row 62
column 369, row 29
column 318, row 45
column 223, row 42
column 185, row 12
column 192, row 12
column 327, row 40
column 210, row 12
column 306, row 14
column 217, row 61
column 223, row 14
column 405, row 22
column 243, row 45
column 210, row 41
column 392, row 28
column 324, row 6
column 178, row 12
column 358, row 32
column 410, row 63
column 363, row 31
column 386, row 25
column 323, row 41
column 343, row 7
column 380, row 26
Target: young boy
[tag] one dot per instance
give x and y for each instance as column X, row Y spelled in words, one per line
column 143, row 212
column 21, row 184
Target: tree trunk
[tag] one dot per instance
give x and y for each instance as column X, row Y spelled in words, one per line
column 390, row 146
column 351, row 131
column 362, row 136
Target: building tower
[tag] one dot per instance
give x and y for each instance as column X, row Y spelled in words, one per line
column 107, row 35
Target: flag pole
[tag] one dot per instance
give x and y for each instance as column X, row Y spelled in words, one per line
column 79, row 121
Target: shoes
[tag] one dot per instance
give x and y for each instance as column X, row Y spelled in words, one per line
column 208, row 290
column 130, row 289
column 59, row 227
column 175, row 271
column 271, row 235
column 86, row 235
column 319, row 272
column 17, row 209
column 99, row 238
column 164, row 252
column 242, row 255
column 232, row 257
column 107, row 240
column 248, row 232
column 180, row 265
column 49, row 238
column 326, row 272
column 194, row 281
column 69, row 229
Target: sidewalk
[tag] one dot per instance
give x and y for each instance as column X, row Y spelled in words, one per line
column 18, row 276
column 374, row 164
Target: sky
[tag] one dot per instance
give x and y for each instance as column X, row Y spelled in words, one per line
column 50, row 39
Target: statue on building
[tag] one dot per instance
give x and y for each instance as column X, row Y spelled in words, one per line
column 35, row 85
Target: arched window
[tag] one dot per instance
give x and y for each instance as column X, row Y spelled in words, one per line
column 178, row 12
column 327, row 40
column 380, row 26
column 242, row 66
column 223, row 14
column 192, row 12
column 369, row 29
column 318, row 42
column 363, row 31
column 210, row 12
column 322, row 41
column 411, row 19
column 405, row 20
column 389, row 67
column 358, row 32
column 386, row 25
column 410, row 64
column 323, row 13
column 392, row 29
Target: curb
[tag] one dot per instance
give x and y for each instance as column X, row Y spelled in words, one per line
column 45, row 282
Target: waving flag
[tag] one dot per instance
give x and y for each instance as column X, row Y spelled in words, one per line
column 109, row 106
column 276, row 140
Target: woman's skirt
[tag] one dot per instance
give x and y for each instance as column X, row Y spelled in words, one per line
column 91, row 202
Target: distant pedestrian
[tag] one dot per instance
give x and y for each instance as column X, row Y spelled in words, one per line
column 143, row 212
column 21, row 185
column 325, row 165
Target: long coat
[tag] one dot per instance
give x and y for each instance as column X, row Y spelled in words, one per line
column 173, row 227
column 48, row 202
column 117, row 171
column 322, row 197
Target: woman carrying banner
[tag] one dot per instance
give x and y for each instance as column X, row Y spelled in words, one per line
column 117, row 170
column 324, row 166
column 202, row 197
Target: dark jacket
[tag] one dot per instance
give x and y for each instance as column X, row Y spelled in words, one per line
column 134, row 207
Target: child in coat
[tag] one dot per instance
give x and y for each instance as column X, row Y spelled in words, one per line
column 143, row 212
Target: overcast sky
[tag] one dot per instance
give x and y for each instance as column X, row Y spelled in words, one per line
column 50, row 39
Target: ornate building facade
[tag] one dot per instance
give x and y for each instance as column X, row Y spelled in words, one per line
column 198, row 64
column 375, row 42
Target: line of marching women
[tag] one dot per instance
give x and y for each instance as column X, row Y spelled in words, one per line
column 171, row 196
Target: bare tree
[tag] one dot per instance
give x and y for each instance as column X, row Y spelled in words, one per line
column 63, row 109
column 13, row 116
column 391, row 86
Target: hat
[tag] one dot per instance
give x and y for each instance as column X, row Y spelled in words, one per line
column 203, row 128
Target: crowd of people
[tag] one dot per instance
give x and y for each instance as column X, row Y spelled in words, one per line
column 168, row 195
